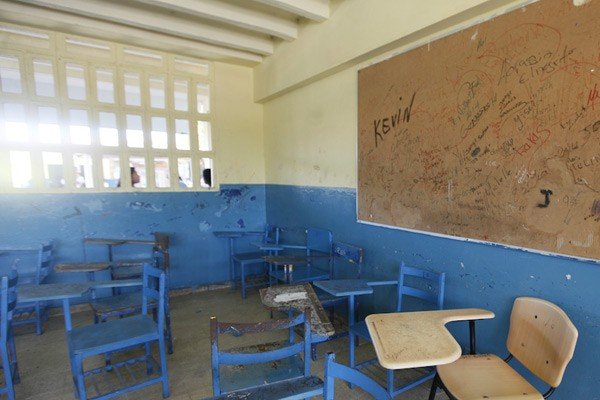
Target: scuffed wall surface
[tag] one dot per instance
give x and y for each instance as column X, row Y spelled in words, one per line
column 477, row 275
column 197, row 257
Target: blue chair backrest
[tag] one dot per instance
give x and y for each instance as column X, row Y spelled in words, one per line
column 153, row 289
column 334, row 370
column 431, row 289
column 219, row 357
column 319, row 240
column 34, row 261
column 8, row 301
column 349, row 254
column 271, row 234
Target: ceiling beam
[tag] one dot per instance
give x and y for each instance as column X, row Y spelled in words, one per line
column 163, row 23
column 232, row 14
column 21, row 14
column 316, row 10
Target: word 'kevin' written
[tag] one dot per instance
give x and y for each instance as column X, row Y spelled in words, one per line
column 383, row 126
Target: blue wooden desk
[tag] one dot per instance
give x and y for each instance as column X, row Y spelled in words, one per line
column 346, row 287
column 54, row 291
column 67, row 291
column 232, row 235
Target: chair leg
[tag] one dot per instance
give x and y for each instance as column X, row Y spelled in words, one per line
column 13, row 356
column 148, row 350
column 313, row 351
column 8, row 377
column 243, row 279
column 168, row 331
column 434, row 385
column 38, row 319
column 163, row 367
column 80, row 378
column 390, row 381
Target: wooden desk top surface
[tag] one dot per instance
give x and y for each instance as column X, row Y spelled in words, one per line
column 118, row 242
column 418, row 339
column 82, row 267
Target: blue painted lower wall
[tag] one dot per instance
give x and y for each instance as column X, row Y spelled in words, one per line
column 477, row 275
column 197, row 257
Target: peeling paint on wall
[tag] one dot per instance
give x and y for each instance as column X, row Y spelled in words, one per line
column 141, row 205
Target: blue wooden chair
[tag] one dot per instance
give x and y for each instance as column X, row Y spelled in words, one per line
column 122, row 334
column 8, row 301
column 302, row 268
column 268, row 246
column 266, row 371
column 335, row 371
column 120, row 305
column 34, row 265
column 412, row 282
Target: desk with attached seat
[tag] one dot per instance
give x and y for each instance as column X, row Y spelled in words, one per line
column 424, row 342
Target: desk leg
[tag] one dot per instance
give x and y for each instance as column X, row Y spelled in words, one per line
column 231, row 265
column 351, row 322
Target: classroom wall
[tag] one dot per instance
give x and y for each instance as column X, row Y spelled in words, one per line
column 310, row 148
column 198, row 257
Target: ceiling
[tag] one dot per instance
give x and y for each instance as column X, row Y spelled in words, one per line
column 236, row 31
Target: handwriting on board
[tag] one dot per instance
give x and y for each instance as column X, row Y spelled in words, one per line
column 491, row 133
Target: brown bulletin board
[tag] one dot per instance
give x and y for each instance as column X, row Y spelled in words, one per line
column 492, row 133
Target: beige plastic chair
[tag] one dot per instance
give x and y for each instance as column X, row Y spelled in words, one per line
column 541, row 337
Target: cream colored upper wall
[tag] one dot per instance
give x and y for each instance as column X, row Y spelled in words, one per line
column 310, row 125
column 356, row 31
column 238, row 126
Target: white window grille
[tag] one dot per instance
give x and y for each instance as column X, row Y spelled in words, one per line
column 79, row 114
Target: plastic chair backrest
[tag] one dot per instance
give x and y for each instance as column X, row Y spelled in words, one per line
column 542, row 338
column 219, row 357
column 319, row 240
column 334, row 370
column 350, row 254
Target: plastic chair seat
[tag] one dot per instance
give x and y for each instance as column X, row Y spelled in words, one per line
column 100, row 338
column 253, row 257
column 235, row 377
column 303, row 387
column 119, row 303
column 485, row 376
column 360, row 329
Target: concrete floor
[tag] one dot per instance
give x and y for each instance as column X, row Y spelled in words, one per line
column 45, row 372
